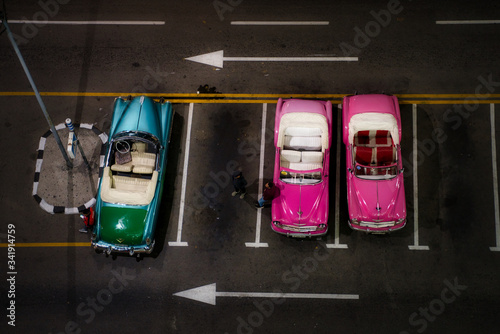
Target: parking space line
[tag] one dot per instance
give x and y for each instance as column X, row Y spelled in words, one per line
column 495, row 178
column 178, row 242
column 257, row 242
column 469, row 22
column 280, row 23
column 337, row 243
column 416, row 245
column 44, row 22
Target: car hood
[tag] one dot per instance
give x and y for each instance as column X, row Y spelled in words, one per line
column 300, row 204
column 377, row 200
column 120, row 225
column 138, row 115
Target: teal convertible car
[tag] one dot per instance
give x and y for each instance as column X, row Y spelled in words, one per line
column 131, row 184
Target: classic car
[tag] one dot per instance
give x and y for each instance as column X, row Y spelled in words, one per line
column 131, row 184
column 302, row 140
column 375, row 188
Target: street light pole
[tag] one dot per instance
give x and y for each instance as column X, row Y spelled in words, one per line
column 37, row 94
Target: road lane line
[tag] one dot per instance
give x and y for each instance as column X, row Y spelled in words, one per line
column 216, row 59
column 333, row 101
column 287, row 295
column 416, row 246
column 208, row 294
column 495, row 178
column 280, row 23
column 337, row 243
column 42, row 22
column 247, row 95
column 47, row 244
column 469, row 22
column 178, row 242
column 259, row 98
column 257, row 242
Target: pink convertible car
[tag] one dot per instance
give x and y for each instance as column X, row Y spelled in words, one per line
column 302, row 137
column 375, row 189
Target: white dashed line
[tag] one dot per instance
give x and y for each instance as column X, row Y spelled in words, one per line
column 41, row 22
column 495, row 178
column 469, row 22
column 178, row 242
column 280, row 23
column 337, row 243
column 257, row 242
column 416, row 246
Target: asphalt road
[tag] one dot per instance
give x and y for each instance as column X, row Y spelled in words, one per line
column 450, row 286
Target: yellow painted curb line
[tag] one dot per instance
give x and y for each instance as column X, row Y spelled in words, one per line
column 47, row 244
column 284, row 95
column 272, row 98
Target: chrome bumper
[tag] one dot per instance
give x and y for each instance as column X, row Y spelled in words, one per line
column 131, row 250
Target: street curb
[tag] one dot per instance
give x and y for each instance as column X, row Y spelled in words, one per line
column 39, row 160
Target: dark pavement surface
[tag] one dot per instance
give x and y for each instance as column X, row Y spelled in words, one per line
column 451, row 288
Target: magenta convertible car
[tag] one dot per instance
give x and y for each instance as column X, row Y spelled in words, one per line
column 375, row 189
column 302, row 138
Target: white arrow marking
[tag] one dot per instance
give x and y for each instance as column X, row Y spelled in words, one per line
column 217, row 58
column 207, row 294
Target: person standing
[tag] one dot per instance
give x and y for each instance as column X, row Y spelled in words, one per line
column 239, row 184
column 270, row 192
column 88, row 219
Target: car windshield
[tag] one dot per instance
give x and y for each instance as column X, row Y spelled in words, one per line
column 137, row 136
column 126, row 144
column 300, row 177
column 375, row 173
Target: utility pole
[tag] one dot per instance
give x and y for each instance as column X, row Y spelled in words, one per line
column 3, row 17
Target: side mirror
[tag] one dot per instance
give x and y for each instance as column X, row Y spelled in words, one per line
column 401, row 170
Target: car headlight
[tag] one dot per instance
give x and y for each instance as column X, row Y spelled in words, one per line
column 354, row 221
column 277, row 223
column 321, row 226
column 148, row 241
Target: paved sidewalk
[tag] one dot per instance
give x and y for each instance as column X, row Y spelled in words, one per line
column 59, row 189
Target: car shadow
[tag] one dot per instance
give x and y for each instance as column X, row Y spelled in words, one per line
column 174, row 151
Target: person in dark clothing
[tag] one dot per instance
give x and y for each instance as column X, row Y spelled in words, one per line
column 239, row 184
column 270, row 192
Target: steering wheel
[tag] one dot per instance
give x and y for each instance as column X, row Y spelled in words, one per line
column 122, row 146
